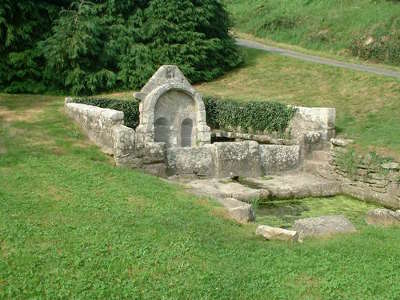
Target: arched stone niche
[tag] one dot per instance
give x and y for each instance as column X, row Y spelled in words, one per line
column 173, row 113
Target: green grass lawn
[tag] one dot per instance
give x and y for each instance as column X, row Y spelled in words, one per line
column 323, row 25
column 74, row 226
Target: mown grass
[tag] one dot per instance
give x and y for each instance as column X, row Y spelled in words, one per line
column 366, row 105
column 327, row 26
column 74, row 226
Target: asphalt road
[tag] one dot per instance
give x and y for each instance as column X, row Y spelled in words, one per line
column 317, row 59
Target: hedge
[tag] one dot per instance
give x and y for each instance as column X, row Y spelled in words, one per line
column 253, row 116
column 227, row 114
column 129, row 107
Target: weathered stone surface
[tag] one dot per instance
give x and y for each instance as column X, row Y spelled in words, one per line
column 164, row 74
column 240, row 211
column 171, row 111
column 278, row 158
column 341, row 142
column 297, row 185
column 384, row 217
column 151, row 153
column 313, row 119
column 124, row 147
column 219, row 189
column 157, row 169
column 273, row 233
column 323, row 226
column 237, row 158
column 96, row 122
column 191, row 161
column 392, row 166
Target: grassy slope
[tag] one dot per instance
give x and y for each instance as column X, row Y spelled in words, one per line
column 320, row 25
column 367, row 105
column 72, row 225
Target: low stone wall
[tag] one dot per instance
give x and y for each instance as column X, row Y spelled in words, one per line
column 279, row 158
column 224, row 159
column 366, row 180
column 97, row 123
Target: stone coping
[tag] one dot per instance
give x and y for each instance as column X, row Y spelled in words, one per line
column 261, row 138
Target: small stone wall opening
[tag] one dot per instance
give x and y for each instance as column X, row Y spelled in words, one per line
column 161, row 131
column 186, row 133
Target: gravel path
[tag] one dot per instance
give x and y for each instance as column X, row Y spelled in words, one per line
column 317, row 59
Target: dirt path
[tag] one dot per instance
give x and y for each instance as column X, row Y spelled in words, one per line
column 318, row 59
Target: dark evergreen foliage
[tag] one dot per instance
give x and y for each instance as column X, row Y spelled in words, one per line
column 129, row 107
column 90, row 46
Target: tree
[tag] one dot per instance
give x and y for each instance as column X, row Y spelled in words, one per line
column 90, row 47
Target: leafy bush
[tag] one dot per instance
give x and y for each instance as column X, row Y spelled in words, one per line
column 87, row 47
column 129, row 107
column 256, row 116
column 223, row 114
column 381, row 45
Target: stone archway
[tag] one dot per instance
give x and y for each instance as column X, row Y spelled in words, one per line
column 173, row 99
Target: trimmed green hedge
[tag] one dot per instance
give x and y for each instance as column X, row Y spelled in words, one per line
column 225, row 114
column 253, row 116
column 129, row 107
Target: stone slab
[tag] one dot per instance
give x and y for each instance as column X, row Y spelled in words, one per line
column 383, row 217
column 274, row 233
column 297, row 185
column 191, row 161
column 238, row 210
column 220, row 189
column 323, row 226
column 279, row 158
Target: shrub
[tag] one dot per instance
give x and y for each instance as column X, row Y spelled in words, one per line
column 383, row 44
column 253, row 116
column 129, row 107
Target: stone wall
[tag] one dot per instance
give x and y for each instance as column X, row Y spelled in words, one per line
column 96, row 122
column 224, row 159
column 365, row 179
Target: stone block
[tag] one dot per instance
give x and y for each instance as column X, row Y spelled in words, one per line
column 237, row 158
column 273, row 233
column 190, row 161
column 124, row 147
column 278, row 158
column 323, row 226
column 341, row 142
column 241, row 212
column 383, row 217
column 158, row 169
column 152, row 153
column 309, row 119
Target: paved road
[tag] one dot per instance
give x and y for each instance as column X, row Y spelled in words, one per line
column 318, row 59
